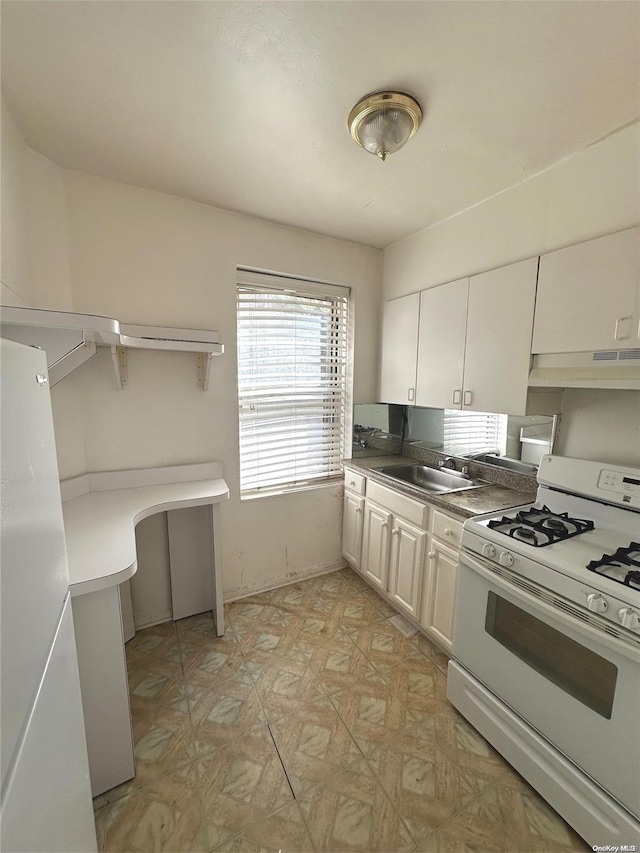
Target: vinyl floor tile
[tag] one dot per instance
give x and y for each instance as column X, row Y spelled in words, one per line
column 474, row 830
column 165, row 816
column 283, row 690
column 282, row 832
column 468, row 749
column 319, row 722
column 353, row 813
column 223, row 713
column 242, row 783
column 424, row 785
column 384, row 645
column 314, row 745
column 431, row 651
column 381, row 707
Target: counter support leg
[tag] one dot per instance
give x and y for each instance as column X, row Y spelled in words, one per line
column 104, row 688
column 216, row 567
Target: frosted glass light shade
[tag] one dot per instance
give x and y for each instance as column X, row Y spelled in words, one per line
column 384, row 122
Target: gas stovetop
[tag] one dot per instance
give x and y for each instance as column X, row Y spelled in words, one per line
column 540, row 526
column 580, row 527
column 622, row 566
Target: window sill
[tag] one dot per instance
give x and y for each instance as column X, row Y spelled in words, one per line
column 287, row 490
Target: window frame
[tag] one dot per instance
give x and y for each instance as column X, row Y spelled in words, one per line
column 272, row 282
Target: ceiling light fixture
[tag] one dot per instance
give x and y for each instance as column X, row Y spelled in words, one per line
column 382, row 123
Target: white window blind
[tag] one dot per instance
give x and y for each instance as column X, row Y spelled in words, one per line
column 474, row 432
column 292, row 368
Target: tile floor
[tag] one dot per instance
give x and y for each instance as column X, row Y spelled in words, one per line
column 318, row 723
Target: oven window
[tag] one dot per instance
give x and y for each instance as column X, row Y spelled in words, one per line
column 577, row 670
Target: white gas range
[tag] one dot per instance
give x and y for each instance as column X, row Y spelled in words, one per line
column 546, row 642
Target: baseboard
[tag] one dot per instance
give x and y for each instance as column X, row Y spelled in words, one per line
column 291, row 578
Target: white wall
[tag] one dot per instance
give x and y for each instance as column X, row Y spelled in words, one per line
column 35, row 264
column 74, row 242
column 594, row 192
column 146, row 257
column 601, row 425
column 14, row 269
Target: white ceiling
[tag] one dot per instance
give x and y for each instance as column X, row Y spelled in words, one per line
column 243, row 105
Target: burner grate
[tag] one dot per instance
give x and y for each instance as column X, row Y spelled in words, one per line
column 540, row 527
column 619, row 566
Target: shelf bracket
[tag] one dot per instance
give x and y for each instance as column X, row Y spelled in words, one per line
column 204, row 369
column 120, row 366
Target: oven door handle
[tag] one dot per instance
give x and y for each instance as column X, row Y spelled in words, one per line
column 594, row 629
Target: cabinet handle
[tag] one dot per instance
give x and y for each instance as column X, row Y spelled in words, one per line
column 468, row 397
column 384, row 525
column 352, row 482
column 448, row 531
column 394, row 532
column 457, row 396
column 431, row 555
column 411, row 394
column 619, row 322
column 358, row 509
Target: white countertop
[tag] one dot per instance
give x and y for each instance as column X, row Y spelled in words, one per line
column 101, row 511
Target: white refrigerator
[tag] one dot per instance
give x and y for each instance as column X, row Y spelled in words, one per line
column 46, row 797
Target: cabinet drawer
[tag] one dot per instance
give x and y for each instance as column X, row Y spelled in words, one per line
column 446, row 528
column 354, row 482
column 398, row 504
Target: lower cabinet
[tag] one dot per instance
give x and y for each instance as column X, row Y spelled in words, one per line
column 393, row 552
column 440, row 593
column 406, row 566
column 412, row 562
column 352, row 517
column 375, row 545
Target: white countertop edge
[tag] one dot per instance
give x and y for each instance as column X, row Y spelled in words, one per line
column 97, row 584
column 113, row 509
column 99, row 481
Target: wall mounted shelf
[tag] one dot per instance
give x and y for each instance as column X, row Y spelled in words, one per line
column 200, row 341
column 70, row 339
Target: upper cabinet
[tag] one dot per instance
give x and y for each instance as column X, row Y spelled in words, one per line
column 474, row 344
column 399, row 350
column 498, row 350
column 441, row 342
column 589, row 296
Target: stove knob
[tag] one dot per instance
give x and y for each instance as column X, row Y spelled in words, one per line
column 597, row 603
column 489, row 550
column 506, row 559
column 629, row 618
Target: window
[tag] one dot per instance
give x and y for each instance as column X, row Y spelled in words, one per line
column 292, row 381
column 474, row 432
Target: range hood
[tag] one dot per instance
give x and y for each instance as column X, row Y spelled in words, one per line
column 614, row 369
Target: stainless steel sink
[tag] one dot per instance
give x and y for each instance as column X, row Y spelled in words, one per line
column 432, row 480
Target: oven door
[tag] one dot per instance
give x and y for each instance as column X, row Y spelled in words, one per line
column 570, row 679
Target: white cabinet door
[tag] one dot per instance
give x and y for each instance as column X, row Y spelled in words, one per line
column 46, row 799
column 352, row 519
column 439, row 600
column 375, row 545
column 406, row 567
column 441, row 340
column 499, row 324
column 399, row 349
column 589, row 296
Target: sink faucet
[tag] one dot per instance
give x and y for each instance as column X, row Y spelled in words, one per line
column 449, row 462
